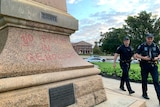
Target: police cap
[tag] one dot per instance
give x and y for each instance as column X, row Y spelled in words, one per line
column 126, row 38
column 149, row 35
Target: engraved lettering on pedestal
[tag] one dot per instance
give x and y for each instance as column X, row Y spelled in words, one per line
column 49, row 17
column 62, row 96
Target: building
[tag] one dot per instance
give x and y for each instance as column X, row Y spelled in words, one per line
column 83, row 47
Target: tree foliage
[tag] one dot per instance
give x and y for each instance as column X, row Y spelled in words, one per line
column 97, row 50
column 138, row 26
column 112, row 40
column 135, row 27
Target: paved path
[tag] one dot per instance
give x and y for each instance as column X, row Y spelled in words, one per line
column 123, row 99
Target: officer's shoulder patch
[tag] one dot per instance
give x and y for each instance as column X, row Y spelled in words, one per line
column 154, row 44
column 118, row 47
column 144, row 43
column 131, row 48
column 141, row 45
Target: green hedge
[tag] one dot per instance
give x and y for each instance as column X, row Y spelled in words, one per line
column 134, row 73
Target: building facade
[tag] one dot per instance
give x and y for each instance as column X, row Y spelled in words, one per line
column 83, row 47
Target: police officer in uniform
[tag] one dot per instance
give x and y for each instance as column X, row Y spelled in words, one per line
column 149, row 53
column 126, row 52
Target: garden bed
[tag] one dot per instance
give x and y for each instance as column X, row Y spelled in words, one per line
column 107, row 70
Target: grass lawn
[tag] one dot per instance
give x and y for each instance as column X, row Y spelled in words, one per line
column 134, row 73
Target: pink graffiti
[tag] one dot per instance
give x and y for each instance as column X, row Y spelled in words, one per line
column 38, row 57
column 27, row 39
column 45, row 42
column 46, row 47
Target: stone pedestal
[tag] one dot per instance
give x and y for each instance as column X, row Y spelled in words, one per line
column 36, row 55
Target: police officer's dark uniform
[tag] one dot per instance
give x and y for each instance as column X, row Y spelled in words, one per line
column 149, row 66
column 125, row 59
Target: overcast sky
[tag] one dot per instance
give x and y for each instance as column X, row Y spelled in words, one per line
column 97, row 16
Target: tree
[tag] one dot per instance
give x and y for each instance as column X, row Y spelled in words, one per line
column 113, row 39
column 97, row 50
column 138, row 26
column 135, row 27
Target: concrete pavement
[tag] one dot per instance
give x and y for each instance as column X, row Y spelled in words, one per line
column 118, row 98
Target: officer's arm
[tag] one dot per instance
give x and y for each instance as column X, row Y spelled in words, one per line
column 157, row 58
column 137, row 56
column 140, row 57
column 115, row 58
column 138, row 51
column 134, row 56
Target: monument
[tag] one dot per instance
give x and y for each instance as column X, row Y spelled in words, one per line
column 38, row 66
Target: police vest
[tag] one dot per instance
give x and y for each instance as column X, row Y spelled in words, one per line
column 150, row 51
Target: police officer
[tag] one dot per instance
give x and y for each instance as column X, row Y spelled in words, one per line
column 126, row 52
column 149, row 53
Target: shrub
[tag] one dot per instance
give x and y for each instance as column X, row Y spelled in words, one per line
column 134, row 73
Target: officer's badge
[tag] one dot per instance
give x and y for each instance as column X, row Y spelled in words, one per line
column 145, row 49
column 154, row 48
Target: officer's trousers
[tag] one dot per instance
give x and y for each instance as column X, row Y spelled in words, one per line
column 125, row 75
column 153, row 70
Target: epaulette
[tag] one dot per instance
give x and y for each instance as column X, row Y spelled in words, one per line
column 144, row 43
column 119, row 47
column 154, row 44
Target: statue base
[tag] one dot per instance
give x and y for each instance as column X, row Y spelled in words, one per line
column 37, row 56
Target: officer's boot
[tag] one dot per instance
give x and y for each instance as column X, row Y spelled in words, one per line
column 145, row 95
column 122, row 85
column 159, row 100
column 129, row 88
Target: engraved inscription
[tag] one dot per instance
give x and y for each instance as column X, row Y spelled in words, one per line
column 49, row 17
column 62, row 96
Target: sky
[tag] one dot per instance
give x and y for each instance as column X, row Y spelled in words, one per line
column 95, row 16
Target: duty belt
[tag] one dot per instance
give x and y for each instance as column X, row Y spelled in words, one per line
column 150, row 62
column 125, row 61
